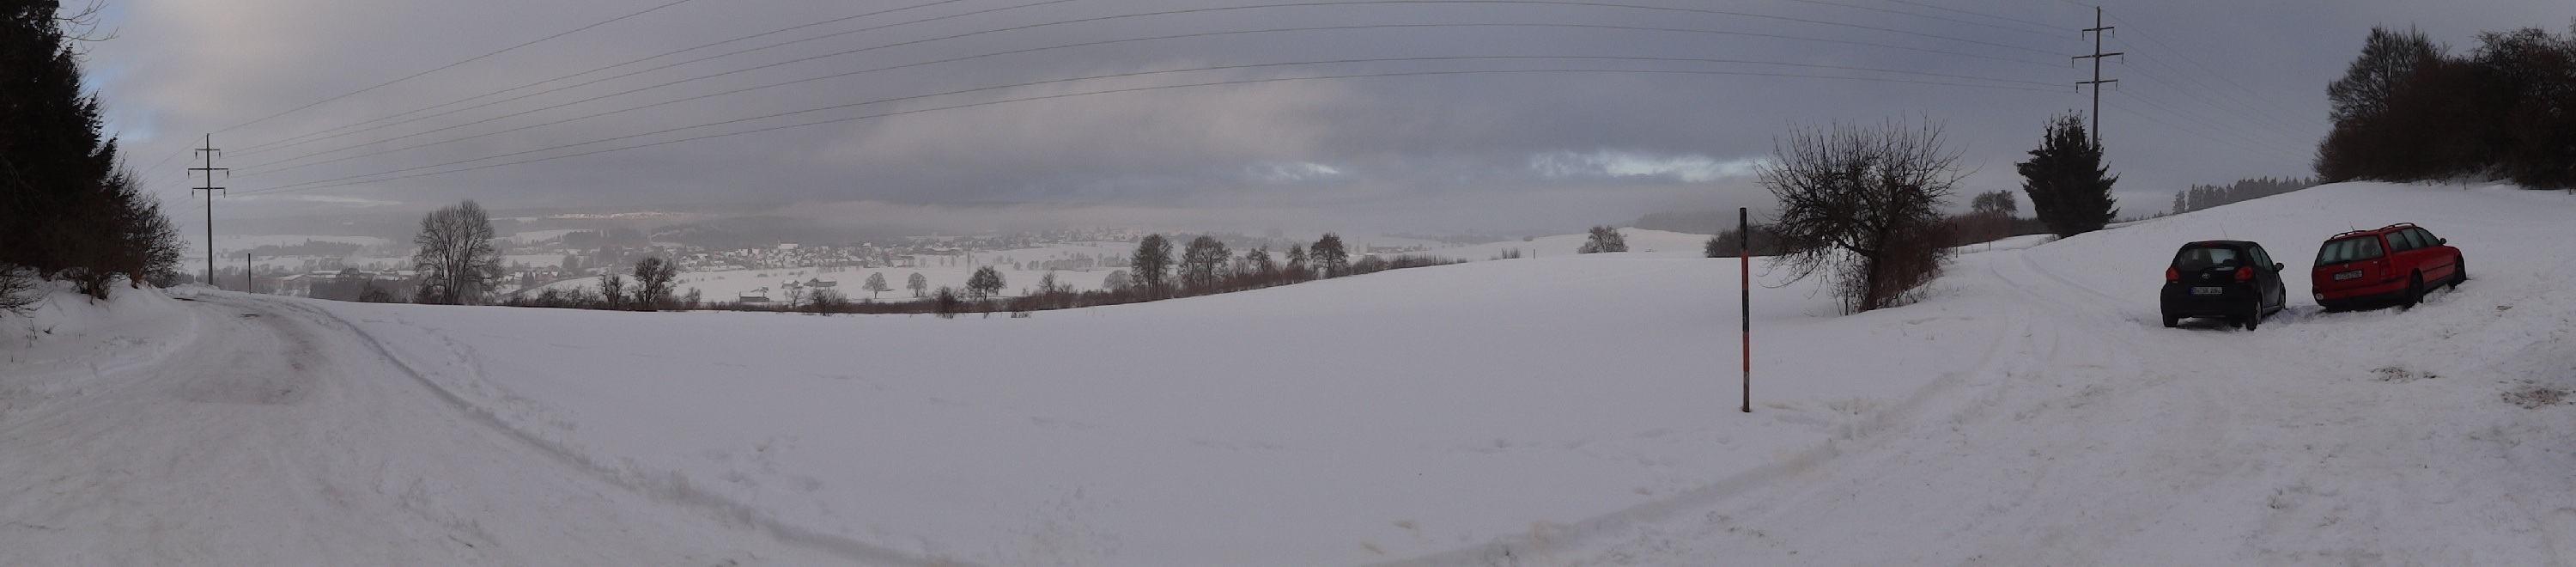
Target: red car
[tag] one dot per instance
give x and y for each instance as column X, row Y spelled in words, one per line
column 2390, row 264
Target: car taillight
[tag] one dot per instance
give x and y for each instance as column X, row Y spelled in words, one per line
column 2245, row 273
column 2173, row 275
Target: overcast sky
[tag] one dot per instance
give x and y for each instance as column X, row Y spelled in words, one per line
column 1612, row 108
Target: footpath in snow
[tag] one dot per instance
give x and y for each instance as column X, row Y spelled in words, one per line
column 1558, row 410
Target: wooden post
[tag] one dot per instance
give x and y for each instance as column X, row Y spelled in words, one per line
column 1744, row 268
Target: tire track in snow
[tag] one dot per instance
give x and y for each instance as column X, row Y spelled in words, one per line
column 664, row 487
column 1542, row 537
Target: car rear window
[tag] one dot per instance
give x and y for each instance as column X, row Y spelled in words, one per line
column 2350, row 249
column 2204, row 258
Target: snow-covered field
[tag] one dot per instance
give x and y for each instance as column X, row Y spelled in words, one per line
column 1559, row 410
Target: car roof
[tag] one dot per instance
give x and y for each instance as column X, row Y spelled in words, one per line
column 2226, row 243
column 2374, row 231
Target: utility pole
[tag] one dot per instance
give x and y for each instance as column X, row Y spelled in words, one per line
column 248, row 285
column 2097, row 81
column 1744, row 269
column 209, row 151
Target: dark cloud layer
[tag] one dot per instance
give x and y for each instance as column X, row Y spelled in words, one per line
column 2210, row 92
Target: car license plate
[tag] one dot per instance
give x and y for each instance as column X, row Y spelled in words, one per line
column 2208, row 290
column 2347, row 275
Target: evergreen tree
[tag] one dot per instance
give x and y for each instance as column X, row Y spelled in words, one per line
column 2070, row 190
column 65, row 210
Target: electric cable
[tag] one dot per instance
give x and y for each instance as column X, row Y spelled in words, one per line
column 359, row 179
column 451, row 65
column 1580, row 3
column 261, row 168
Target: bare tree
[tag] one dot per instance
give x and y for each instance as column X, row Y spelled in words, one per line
column 1202, row 263
column 653, row 277
column 1998, row 201
column 919, row 285
column 456, row 260
column 1152, row 264
column 1603, row 239
column 1117, row 282
column 1257, row 263
column 1862, row 207
column 612, row 290
column 1328, row 255
column 985, row 283
column 1297, row 268
column 876, row 284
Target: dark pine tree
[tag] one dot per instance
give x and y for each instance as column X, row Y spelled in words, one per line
column 2070, row 190
column 64, row 209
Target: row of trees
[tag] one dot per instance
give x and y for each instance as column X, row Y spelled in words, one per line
column 69, row 209
column 2409, row 110
column 2200, row 197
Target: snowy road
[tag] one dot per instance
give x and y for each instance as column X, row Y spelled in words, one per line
column 276, row 436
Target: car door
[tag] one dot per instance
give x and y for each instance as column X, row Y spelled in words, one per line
column 2403, row 257
column 2267, row 278
column 2439, row 260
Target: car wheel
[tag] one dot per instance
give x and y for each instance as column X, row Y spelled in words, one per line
column 2254, row 314
column 2171, row 321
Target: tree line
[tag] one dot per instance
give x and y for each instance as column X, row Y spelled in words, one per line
column 2200, row 197
column 70, row 209
column 2407, row 109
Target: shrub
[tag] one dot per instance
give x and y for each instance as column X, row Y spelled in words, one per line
column 1603, row 239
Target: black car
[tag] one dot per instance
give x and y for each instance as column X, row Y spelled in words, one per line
column 2230, row 279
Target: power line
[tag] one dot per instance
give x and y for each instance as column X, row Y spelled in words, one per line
column 1167, row 13
column 1928, row 16
column 265, row 146
column 2187, row 58
column 353, row 180
column 452, row 65
column 262, row 167
column 1956, row 10
column 2258, row 146
column 2246, row 121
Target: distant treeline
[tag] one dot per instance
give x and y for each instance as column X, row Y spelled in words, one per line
column 2200, row 197
column 2408, row 110
column 1203, row 267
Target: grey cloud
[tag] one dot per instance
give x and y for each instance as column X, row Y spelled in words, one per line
column 1453, row 151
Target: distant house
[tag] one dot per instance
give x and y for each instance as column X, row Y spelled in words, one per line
column 822, row 282
column 754, row 296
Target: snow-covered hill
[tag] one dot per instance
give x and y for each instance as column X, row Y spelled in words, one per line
column 1560, row 410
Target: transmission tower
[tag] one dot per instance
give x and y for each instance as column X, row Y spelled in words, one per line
column 210, row 152
column 2097, row 81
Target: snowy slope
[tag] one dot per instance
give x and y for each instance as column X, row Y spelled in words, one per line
column 1559, row 410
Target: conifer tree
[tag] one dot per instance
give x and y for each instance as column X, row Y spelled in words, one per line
column 2070, row 190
